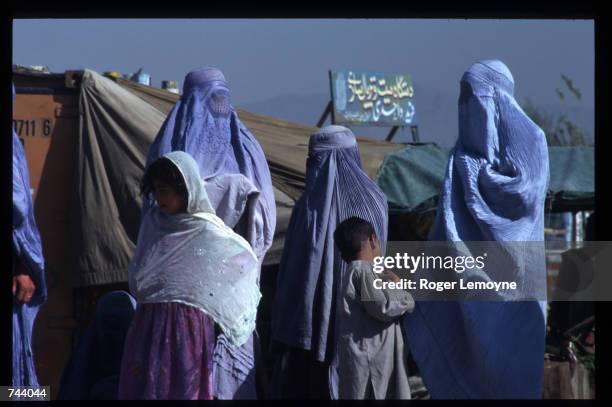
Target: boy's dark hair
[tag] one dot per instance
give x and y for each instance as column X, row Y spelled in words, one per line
column 350, row 235
column 164, row 171
column 589, row 233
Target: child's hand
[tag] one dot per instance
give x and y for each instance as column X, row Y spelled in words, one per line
column 389, row 275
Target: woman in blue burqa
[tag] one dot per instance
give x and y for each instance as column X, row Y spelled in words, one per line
column 204, row 124
column 494, row 191
column 92, row 373
column 29, row 287
column 303, row 315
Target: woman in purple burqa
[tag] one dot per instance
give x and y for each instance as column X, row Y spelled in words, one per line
column 231, row 161
column 494, row 191
column 29, row 287
column 311, row 270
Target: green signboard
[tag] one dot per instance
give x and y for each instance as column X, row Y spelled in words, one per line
column 372, row 98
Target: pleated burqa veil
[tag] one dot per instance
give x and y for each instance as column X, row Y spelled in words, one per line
column 336, row 189
column 27, row 250
column 494, row 190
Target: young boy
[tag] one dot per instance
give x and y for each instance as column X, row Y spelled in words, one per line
column 371, row 363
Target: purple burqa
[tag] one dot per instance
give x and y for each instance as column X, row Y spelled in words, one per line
column 337, row 188
column 204, row 124
column 494, row 190
column 27, row 249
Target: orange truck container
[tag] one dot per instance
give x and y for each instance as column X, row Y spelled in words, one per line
column 45, row 117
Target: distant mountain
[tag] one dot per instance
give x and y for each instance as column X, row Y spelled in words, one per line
column 433, row 114
column 436, row 115
column 305, row 109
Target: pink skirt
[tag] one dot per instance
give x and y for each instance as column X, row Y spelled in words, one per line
column 168, row 354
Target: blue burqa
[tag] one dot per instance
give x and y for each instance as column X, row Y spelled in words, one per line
column 337, row 188
column 27, row 249
column 494, row 190
column 93, row 369
column 204, row 124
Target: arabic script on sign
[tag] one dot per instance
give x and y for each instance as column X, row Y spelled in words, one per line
column 375, row 98
column 367, row 90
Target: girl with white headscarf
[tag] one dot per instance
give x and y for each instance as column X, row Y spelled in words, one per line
column 189, row 271
column 204, row 124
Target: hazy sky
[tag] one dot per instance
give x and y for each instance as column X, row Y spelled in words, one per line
column 267, row 58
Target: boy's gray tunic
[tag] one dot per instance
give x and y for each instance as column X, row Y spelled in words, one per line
column 370, row 344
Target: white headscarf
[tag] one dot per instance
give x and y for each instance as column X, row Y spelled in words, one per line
column 195, row 259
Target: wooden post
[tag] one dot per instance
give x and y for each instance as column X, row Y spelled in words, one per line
column 326, row 113
column 415, row 134
column 392, row 133
column 557, row 381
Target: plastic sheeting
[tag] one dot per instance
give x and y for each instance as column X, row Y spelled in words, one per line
column 572, row 178
column 414, row 175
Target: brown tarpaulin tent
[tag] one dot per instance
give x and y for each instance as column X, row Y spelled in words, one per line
column 119, row 119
